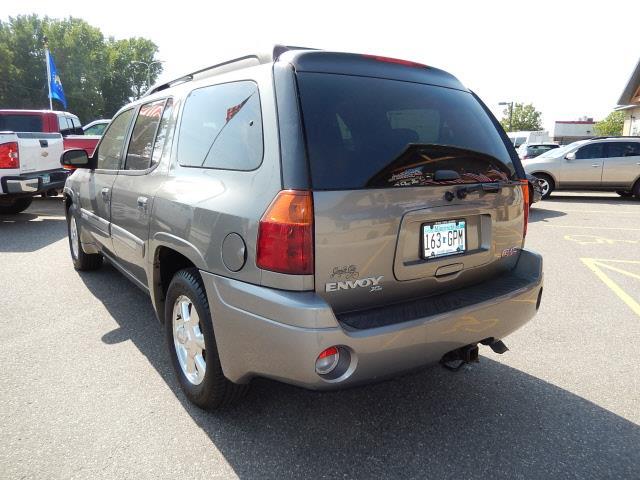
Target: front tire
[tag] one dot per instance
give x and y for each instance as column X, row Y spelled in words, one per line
column 15, row 205
column 81, row 261
column 624, row 193
column 547, row 185
column 192, row 344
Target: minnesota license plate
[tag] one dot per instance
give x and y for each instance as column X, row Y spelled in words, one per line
column 46, row 178
column 444, row 238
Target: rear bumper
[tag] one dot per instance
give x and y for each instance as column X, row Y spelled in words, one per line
column 275, row 334
column 34, row 183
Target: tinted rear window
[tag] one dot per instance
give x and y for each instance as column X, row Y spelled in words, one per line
column 20, row 123
column 359, row 131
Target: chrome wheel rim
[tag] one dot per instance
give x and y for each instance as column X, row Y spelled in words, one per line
column 73, row 230
column 188, row 340
column 544, row 186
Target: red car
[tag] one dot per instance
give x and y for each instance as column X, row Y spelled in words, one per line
column 49, row 121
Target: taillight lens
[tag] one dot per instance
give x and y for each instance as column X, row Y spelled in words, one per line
column 285, row 234
column 525, row 207
column 9, row 157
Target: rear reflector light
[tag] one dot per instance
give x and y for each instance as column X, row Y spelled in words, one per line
column 396, row 61
column 9, row 157
column 525, row 199
column 327, row 361
column 285, row 234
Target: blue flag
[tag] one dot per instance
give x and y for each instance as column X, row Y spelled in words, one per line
column 55, row 84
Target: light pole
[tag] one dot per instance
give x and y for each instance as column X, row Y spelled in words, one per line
column 148, row 65
column 510, row 112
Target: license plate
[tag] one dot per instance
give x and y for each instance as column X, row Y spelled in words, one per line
column 46, row 178
column 444, row 238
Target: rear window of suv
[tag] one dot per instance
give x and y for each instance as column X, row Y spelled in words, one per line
column 364, row 132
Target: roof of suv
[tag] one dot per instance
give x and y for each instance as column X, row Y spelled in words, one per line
column 312, row 60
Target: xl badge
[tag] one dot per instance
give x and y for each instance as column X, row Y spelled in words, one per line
column 373, row 283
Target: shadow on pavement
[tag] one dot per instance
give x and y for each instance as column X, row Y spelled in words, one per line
column 542, row 214
column 40, row 225
column 489, row 420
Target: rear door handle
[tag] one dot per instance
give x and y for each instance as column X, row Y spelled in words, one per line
column 142, row 203
column 105, row 192
column 595, row 165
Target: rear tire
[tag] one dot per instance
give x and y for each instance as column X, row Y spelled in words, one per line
column 636, row 190
column 192, row 344
column 15, row 205
column 624, row 193
column 81, row 261
column 546, row 184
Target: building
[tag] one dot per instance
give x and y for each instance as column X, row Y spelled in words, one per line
column 567, row 131
column 629, row 103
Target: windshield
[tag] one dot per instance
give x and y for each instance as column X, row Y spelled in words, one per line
column 559, row 152
column 364, row 132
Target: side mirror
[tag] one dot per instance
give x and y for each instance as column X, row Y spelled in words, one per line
column 76, row 158
column 570, row 156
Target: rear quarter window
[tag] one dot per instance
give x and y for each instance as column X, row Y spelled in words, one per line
column 221, row 127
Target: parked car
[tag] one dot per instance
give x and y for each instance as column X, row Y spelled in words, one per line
column 520, row 138
column 532, row 150
column 602, row 163
column 29, row 166
column 49, row 121
column 323, row 219
column 535, row 189
column 96, row 127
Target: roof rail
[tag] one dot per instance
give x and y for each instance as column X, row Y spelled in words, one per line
column 602, row 137
column 228, row 66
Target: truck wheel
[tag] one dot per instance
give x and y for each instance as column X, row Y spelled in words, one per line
column 624, row 193
column 636, row 190
column 192, row 344
column 81, row 261
column 547, row 184
column 15, row 205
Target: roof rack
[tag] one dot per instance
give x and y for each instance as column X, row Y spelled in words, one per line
column 228, row 66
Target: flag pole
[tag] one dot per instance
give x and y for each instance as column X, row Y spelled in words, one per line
column 46, row 54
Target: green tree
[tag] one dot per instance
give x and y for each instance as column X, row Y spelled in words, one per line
column 523, row 118
column 612, row 125
column 97, row 74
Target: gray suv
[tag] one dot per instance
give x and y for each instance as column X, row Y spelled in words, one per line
column 323, row 219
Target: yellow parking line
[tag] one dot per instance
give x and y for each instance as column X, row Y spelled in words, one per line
column 592, row 264
column 623, row 212
column 597, row 228
column 619, row 270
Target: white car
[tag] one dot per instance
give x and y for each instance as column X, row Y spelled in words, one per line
column 97, row 127
column 601, row 163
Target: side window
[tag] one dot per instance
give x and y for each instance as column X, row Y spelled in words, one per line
column 593, row 150
column 65, row 126
column 623, row 149
column 77, row 126
column 163, row 130
column 144, row 132
column 110, row 148
column 221, row 127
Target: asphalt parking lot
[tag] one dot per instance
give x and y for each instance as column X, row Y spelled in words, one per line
column 87, row 391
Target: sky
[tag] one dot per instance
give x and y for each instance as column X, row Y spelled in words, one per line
column 569, row 58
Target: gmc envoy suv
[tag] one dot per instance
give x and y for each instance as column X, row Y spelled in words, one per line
column 319, row 218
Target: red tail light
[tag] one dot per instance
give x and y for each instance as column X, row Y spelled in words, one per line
column 285, row 234
column 396, row 61
column 9, row 157
column 525, row 199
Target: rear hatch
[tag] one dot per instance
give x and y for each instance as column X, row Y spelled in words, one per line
column 414, row 190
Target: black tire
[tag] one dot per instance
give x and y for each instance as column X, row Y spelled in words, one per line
column 215, row 390
column 636, row 190
column 546, row 178
column 15, row 205
column 81, row 261
column 624, row 193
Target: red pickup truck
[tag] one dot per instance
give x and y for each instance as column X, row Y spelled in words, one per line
column 49, row 121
